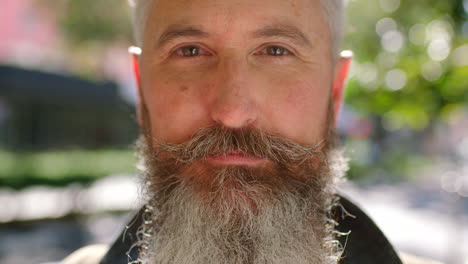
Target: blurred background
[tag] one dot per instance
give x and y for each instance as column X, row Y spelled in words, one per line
column 67, row 124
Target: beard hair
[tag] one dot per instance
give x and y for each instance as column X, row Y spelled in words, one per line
column 201, row 214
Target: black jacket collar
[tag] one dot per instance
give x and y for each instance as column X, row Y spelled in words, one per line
column 365, row 244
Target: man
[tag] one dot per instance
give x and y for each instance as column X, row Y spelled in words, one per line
column 238, row 100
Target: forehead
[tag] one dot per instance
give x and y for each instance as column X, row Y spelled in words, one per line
column 231, row 16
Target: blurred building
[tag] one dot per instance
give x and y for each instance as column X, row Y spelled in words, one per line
column 45, row 110
column 49, row 108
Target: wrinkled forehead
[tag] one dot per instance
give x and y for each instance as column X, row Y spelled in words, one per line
column 236, row 16
column 297, row 8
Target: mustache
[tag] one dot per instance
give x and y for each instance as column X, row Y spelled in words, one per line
column 216, row 140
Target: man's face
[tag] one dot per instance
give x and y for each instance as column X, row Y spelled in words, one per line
column 235, row 103
column 239, row 63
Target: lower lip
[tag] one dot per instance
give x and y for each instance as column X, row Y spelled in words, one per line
column 236, row 159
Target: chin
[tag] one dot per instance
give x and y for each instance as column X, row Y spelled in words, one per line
column 237, row 187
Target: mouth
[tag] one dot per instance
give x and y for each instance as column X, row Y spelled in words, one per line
column 236, row 158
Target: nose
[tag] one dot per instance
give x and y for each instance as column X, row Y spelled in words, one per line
column 234, row 104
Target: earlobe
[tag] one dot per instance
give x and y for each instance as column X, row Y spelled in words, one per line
column 136, row 72
column 341, row 72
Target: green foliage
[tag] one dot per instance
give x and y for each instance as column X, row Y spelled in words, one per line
column 59, row 168
column 409, row 73
column 431, row 80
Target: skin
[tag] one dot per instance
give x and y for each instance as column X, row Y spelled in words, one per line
column 235, row 80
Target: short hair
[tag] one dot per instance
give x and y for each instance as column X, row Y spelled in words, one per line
column 333, row 12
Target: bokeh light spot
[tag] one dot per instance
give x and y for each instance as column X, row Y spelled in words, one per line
column 384, row 25
column 431, row 71
column 392, row 41
column 439, row 49
column 395, row 79
column 439, row 29
column 367, row 73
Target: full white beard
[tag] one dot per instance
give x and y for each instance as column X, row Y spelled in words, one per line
column 285, row 228
column 257, row 218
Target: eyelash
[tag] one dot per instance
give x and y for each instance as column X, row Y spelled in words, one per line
column 190, row 46
column 287, row 51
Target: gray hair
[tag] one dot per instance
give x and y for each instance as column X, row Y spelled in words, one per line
column 333, row 11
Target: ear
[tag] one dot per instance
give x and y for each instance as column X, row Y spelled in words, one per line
column 340, row 73
column 140, row 102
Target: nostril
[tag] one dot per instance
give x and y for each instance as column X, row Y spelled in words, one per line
column 234, row 115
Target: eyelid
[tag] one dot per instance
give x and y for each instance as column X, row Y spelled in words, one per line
column 290, row 50
column 203, row 49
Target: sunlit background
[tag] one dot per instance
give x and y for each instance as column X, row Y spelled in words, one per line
column 67, row 124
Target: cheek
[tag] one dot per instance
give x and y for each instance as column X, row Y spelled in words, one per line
column 307, row 98
column 298, row 109
column 174, row 109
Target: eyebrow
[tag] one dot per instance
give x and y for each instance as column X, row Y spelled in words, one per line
column 284, row 30
column 180, row 30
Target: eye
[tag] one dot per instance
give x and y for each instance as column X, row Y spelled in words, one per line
column 190, row 51
column 275, row 51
